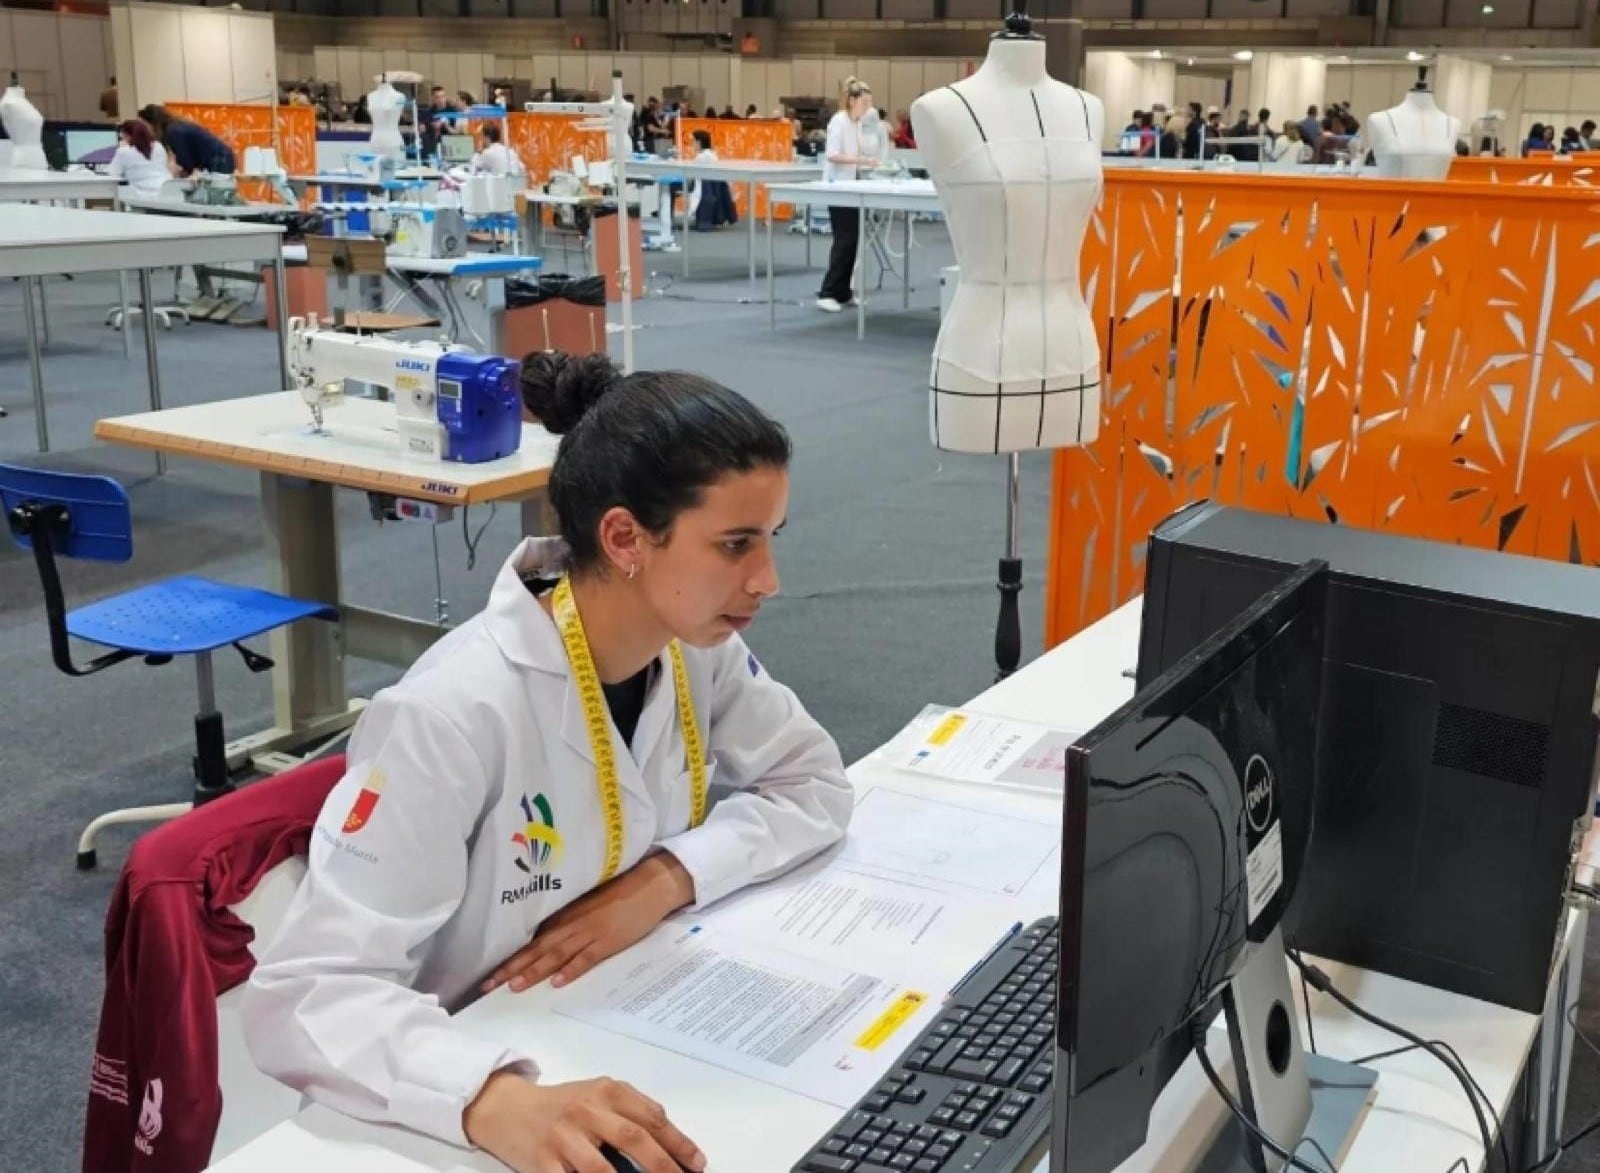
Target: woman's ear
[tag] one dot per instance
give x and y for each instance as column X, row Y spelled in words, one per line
column 621, row 539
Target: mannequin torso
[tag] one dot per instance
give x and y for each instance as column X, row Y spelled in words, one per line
column 1414, row 140
column 25, row 128
column 1015, row 156
column 385, row 105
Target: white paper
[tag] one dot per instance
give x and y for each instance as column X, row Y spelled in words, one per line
column 891, row 928
column 902, row 837
column 972, row 747
column 823, row 1031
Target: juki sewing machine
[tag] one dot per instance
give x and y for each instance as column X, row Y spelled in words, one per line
column 450, row 404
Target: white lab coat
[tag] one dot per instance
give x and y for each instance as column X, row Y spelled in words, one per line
column 145, row 176
column 398, row 921
column 495, row 159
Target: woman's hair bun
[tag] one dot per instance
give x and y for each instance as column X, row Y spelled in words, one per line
column 559, row 388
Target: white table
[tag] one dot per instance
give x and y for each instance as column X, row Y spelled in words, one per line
column 300, row 468
column 166, row 206
column 36, row 240
column 910, row 196
column 1419, row 1121
column 21, row 184
column 749, row 172
column 530, row 223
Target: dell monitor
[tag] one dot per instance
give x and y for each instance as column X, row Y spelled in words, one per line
column 1187, row 814
column 1457, row 762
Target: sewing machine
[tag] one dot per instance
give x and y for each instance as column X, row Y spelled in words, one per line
column 420, row 230
column 450, row 404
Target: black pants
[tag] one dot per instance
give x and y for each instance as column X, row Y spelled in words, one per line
column 842, row 257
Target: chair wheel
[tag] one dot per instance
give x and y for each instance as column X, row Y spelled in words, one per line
column 86, row 860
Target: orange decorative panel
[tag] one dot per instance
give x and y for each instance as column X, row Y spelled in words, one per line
column 291, row 130
column 1412, row 357
column 547, row 142
column 1545, row 169
column 771, row 139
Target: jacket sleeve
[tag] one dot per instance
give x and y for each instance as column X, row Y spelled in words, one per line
column 330, row 1010
column 791, row 797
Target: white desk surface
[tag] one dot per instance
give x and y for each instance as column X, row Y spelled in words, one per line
column 174, row 207
column 339, row 181
column 26, row 184
column 1419, row 1121
column 471, row 265
column 733, row 170
column 562, row 200
column 895, row 195
column 359, row 449
column 35, row 239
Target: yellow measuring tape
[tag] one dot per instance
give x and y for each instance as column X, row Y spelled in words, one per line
column 595, row 717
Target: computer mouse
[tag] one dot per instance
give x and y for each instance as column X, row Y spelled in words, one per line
column 624, row 1164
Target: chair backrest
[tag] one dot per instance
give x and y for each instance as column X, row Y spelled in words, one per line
column 99, row 522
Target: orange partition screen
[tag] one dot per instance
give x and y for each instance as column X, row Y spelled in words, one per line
column 1542, row 169
column 771, row 139
column 1413, row 357
column 292, row 130
column 547, row 142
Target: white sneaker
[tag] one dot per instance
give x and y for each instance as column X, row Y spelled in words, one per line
column 828, row 306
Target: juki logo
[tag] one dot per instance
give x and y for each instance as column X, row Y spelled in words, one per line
column 412, row 364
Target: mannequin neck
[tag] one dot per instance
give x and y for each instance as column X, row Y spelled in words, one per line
column 1014, row 61
column 1420, row 101
column 15, row 92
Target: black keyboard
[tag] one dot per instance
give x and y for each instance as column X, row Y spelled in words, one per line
column 972, row 1093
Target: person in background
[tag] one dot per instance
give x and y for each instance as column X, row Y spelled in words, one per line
column 502, row 97
column 1570, row 141
column 190, row 146
column 1244, row 152
column 750, row 111
column 710, row 200
column 650, row 124
column 904, row 136
column 1192, row 131
column 493, row 156
column 729, row 112
column 140, row 161
column 1169, row 145
column 1586, row 140
column 711, row 111
column 1310, row 127
column 1537, row 140
column 1263, row 124
column 108, row 98
column 1290, row 147
column 843, row 159
column 1147, row 135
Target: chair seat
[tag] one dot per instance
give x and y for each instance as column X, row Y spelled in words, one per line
column 182, row 616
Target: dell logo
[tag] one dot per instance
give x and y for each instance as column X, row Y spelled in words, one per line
column 1258, row 792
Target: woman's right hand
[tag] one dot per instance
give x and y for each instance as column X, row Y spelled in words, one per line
column 552, row 1128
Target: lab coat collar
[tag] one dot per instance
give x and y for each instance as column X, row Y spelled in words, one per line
column 527, row 636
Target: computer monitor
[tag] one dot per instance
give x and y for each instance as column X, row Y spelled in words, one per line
column 1458, row 757
column 91, row 148
column 1186, row 817
column 455, row 148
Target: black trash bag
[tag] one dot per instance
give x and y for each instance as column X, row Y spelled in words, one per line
column 526, row 291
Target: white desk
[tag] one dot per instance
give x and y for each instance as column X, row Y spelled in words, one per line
column 909, row 196
column 1420, row 1120
column 36, row 240
column 28, row 186
column 174, row 207
column 299, row 467
column 750, row 172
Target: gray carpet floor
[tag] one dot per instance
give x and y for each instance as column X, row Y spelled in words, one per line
column 888, row 598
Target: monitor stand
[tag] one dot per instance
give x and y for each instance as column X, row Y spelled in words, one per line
column 1294, row 1097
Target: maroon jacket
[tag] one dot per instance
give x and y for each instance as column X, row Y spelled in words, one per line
column 172, row 946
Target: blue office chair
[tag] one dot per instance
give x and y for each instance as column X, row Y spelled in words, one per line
column 78, row 516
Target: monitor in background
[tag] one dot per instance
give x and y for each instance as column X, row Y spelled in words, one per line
column 90, row 148
column 1130, row 143
column 455, row 148
column 1458, row 756
column 1187, row 813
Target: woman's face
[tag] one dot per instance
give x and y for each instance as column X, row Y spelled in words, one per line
column 707, row 579
column 860, row 104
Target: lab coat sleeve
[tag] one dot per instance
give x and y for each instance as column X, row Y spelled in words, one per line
column 330, row 1010
column 790, row 796
column 119, row 165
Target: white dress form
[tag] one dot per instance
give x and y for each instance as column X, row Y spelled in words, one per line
column 1414, row 140
column 385, row 105
column 25, row 128
column 1015, row 156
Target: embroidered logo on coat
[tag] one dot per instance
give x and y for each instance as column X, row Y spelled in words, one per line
column 366, row 801
column 149, row 1119
column 538, row 850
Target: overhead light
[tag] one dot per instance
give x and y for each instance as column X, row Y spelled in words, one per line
column 1488, row 9
column 1413, row 55
column 1156, row 54
column 1505, row 57
column 1190, row 61
column 1243, row 55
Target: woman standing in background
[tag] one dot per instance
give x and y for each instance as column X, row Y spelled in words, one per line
column 843, row 159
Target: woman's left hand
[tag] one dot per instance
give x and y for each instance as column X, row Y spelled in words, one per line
column 593, row 927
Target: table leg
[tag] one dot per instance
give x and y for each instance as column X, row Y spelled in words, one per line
column 44, row 309
column 308, row 687
column 805, row 211
column 751, row 243
column 772, row 285
column 686, row 232
column 35, row 364
column 122, row 300
column 280, row 279
column 152, row 366
column 905, row 262
column 860, row 288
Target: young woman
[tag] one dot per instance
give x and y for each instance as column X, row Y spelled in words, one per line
column 493, row 156
column 844, row 158
column 140, row 161
column 532, row 797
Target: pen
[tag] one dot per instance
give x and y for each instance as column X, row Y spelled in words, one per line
column 984, row 960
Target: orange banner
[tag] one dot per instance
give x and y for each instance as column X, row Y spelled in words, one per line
column 1412, row 357
column 769, row 139
column 547, row 142
column 1545, row 170
column 291, row 130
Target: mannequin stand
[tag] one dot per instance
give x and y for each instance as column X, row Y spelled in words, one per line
column 1008, row 628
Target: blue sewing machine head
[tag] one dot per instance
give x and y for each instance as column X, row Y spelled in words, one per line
column 480, row 407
